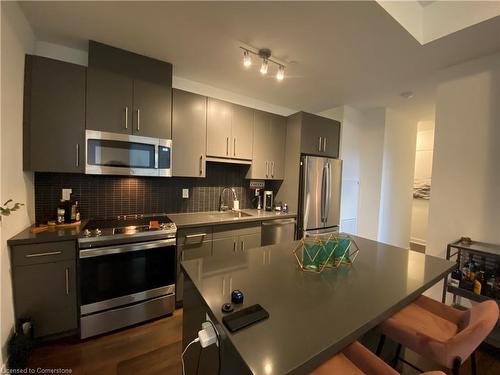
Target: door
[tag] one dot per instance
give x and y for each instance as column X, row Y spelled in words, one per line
column 109, row 101
column 331, row 139
column 262, row 145
column 46, row 293
column 152, row 110
column 225, row 246
column 189, row 129
column 219, row 128
column 320, row 192
column 249, row 241
column 277, row 147
column 334, row 185
column 55, row 141
column 242, row 132
column 312, row 134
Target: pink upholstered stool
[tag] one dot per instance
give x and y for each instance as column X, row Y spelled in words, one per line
column 357, row 360
column 441, row 333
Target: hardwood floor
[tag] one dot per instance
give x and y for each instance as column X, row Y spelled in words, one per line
column 155, row 348
column 148, row 349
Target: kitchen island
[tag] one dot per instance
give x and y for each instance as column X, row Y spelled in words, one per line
column 312, row 316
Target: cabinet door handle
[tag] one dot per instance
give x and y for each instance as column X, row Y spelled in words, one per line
column 234, row 147
column 272, row 169
column 126, row 117
column 242, row 245
column 77, row 162
column 43, row 254
column 188, row 236
column 234, row 246
column 67, row 281
column 320, row 144
column 201, row 165
column 267, row 168
column 138, row 119
column 227, row 146
column 324, row 144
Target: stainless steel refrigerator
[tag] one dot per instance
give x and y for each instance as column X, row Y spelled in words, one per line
column 319, row 195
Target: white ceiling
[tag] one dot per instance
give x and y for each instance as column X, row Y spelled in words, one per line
column 338, row 52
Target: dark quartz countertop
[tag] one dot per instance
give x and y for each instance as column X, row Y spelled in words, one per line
column 196, row 219
column 182, row 220
column 25, row 237
column 312, row 316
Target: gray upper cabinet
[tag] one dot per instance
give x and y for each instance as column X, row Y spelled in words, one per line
column 128, row 93
column 54, row 116
column 109, row 101
column 152, row 109
column 189, row 128
column 218, row 128
column 242, row 132
column 319, row 135
column 268, row 147
column 229, row 130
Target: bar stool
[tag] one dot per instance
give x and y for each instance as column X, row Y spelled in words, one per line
column 441, row 333
column 357, row 360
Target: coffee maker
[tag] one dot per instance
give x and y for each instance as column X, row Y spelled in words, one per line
column 268, row 200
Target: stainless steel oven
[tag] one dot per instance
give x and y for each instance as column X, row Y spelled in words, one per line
column 125, row 154
column 125, row 284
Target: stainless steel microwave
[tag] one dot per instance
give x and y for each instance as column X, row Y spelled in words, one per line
column 124, row 154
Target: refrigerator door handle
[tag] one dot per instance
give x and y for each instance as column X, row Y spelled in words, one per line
column 328, row 193
column 324, row 179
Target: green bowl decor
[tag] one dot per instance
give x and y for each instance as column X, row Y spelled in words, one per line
column 316, row 252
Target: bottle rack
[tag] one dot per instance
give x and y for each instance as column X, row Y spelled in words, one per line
column 484, row 254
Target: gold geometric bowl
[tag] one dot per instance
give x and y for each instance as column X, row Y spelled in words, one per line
column 315, row 253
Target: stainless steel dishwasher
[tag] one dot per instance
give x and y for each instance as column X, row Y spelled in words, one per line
column 277, row 231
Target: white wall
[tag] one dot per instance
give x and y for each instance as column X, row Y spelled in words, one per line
column 370, row 182
column 17, row 39
column 466, row 173
column 423, row 173
column 397, row 179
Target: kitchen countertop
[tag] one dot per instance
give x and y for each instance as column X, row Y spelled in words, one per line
column 182, row 220
column 25, row 237
column 196, row 219
column 312, row 316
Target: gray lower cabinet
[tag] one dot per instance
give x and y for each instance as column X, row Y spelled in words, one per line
column 189, row 134
column 268, row 161
column 319, row 135
column 219, row 240
column 192, row 243
column 54, row 116
column 44, row 285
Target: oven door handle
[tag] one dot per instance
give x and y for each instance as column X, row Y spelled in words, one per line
column 139, row 246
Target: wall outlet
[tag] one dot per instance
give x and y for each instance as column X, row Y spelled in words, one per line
column 66, row 194
column 185, row 193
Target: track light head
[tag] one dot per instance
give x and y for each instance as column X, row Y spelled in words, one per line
column 281, row 73
column 247, row 60
column 264, row 66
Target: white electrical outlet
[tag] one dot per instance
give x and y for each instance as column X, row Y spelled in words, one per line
column 185, row 193
column 66, row 194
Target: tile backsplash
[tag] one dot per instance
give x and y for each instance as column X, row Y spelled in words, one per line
column 106, row 196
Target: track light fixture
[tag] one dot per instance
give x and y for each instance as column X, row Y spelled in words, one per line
column 265, row 55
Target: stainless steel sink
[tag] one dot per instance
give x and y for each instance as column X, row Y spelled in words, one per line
column 225, row 215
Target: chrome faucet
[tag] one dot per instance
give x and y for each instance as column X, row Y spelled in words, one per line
column 222, row 206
